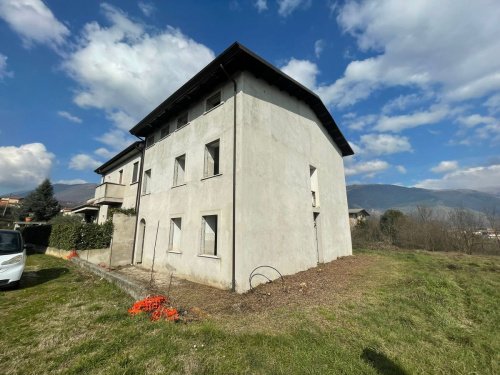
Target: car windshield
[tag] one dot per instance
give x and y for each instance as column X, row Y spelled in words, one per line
column 10, row 243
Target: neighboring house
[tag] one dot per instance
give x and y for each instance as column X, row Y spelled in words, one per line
column 357, row 215
column 10, row 201
column 120, row 177
column 88, row 212
column 242, row 168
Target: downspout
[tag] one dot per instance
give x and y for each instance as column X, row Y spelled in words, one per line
column 233, row 277
column 141, row 147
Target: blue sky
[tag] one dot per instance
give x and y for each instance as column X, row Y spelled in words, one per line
column 414, row 86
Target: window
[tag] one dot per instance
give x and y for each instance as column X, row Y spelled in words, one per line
column 150, row 140
column 165, row 131
column 174, row 243
column 120, row 177
column 146, row 185
column 211, row 159
column 213, row 101
column 135, row 172
column 182, row 120
column 209, row 235
column 313, row 175
column 179, row 168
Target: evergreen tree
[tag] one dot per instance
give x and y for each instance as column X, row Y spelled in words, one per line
column 41, row 203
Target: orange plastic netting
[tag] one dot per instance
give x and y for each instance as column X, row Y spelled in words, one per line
column 155, row 306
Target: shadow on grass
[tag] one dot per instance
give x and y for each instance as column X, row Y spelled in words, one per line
column 381, row 363
column 34, row 278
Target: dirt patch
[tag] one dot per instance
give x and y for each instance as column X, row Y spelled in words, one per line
column 317, row 286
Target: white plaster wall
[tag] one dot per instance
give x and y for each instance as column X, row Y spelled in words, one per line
column 130, row 191
column 196, row 197
column 281, row 138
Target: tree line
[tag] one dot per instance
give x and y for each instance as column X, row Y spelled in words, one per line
column 458, row 230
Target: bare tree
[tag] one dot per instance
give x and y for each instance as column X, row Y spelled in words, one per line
column 464, row 223
column 493, row 220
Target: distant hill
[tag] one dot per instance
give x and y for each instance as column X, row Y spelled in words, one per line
column 382, row 197
column 67, row 195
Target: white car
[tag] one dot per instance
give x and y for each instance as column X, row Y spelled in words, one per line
column 12, row 257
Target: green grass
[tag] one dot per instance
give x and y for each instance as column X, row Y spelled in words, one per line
column 412, row 313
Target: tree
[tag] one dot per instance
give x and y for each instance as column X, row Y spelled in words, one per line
column 40, row 203
column 389, row 223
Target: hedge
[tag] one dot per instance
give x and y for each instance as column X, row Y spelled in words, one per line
column 39, row 234
column 69, row 236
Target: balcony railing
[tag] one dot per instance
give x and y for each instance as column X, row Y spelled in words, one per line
column 109, row 192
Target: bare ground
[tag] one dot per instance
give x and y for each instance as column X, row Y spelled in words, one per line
column 323, row 285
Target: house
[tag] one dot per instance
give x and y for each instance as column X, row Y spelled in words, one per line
column 242, row 168
column 120, row 177
column 357, row 215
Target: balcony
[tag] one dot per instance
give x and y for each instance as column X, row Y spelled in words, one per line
column 109, row 193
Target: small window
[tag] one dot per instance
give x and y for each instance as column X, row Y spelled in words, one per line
column 209, row 235
column 146, row 185
column 182, row 120
column 165, row 131
column 313, row 175
column 135, row 172
column 150, row 140
column 179, row 169
column 213, row 101
column 212, row 159
column 120, row 176
column 174, row 243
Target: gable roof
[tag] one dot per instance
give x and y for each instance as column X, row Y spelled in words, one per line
column 234, row 59
column 122, row 156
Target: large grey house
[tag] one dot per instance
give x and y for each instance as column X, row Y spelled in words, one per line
column 241, row 167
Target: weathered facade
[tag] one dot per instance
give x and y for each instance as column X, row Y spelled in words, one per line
column 242, row 168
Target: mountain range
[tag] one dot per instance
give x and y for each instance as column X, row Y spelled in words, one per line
column 378, row 198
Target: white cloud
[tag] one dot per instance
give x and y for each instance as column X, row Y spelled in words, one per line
column 420, row 47
column 445, row 166
column 402, row 102
column 261, row 5
column 104, row 153
column 126, row 69
column 354, row 122
column 483, row 178
column 287, row 7
column 3, row 67
column 303, row 71
column 401, row 169
column 83, row 161
column 493, row 104
column 34, row 22
column 485, row 128
column 146, row 8
column 475, row 119
column 402, row 122
column 319, row 46
column 116, row 139
column 75, row 181
column 25, row 166
column 384, row 144
column 370, row 168
column 70, row 117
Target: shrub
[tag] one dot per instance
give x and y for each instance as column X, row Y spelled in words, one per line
column 81, row 236
column 38, row 235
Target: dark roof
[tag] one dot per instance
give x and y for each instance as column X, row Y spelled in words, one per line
column 237, row 58
column 120, row 157
column 358, row 210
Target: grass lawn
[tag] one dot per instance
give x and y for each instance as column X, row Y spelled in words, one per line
column 409, row 313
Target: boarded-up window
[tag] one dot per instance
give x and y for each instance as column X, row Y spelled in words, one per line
column 212, row 159
column 135, row 172
column 213, row 101
column 182, row 120
column 209, row 235
column 150, row 140
column 179, row 169
column 174, row 243
column 146, row 185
